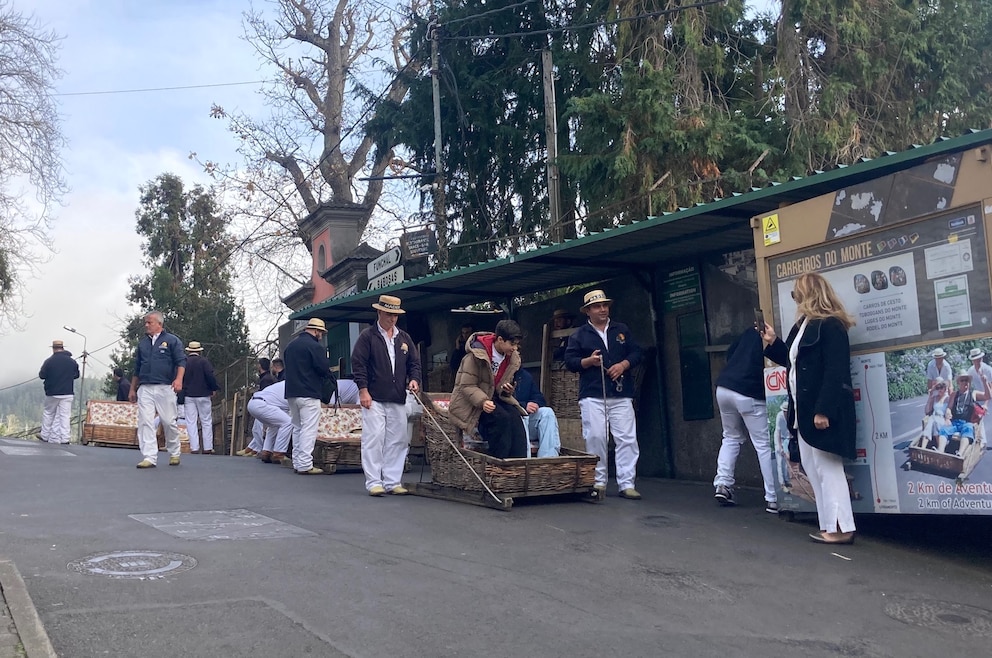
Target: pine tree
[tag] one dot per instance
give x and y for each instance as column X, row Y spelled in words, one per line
column 186, row 252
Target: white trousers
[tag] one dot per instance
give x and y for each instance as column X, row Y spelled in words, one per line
column 275, row 424
column 304, row 414
column 738, row 412
column 258, row 433
column 200, row 409
column 385, row 443
column 542, row 427
column 160, row 398
column 55, row 417
column 623, row 426
column 825, row 472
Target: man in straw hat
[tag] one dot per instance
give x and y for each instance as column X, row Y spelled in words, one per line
column 159, row 368
column 200, row 386
column 938, row 368
column 307, row 366
column 58, row 372
column 978, row 368
column 385, row 365
column 603, row 352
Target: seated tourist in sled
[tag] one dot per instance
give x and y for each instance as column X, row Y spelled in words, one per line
column 963, row 414
column 540, row 423
column 483, row 395
column 934, row 416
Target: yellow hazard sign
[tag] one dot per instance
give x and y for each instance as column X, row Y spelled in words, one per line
column 769, row 226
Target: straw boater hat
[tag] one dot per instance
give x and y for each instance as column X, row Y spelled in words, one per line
column 963, row 374
column 939, row 352
column 316, row 323
column 976, row 353
column 562, row 313
column 194, row 346
column 389, row 304
column 57, row 344
column 595, row 297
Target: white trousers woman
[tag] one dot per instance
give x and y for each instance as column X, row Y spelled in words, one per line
column 825, row 471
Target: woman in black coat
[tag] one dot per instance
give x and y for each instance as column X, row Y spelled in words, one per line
column 818, row 356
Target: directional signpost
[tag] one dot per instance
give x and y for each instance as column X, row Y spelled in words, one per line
column 386, row 269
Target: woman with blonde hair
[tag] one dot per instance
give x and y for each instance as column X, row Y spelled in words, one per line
column 817, row 354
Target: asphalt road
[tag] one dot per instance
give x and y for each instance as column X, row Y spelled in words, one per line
column 247, row 559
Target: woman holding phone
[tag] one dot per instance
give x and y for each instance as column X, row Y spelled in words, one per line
column 817, row 354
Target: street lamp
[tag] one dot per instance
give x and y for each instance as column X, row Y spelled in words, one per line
column 82, row 386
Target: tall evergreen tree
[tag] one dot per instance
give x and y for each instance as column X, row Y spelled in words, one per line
column 186, row 252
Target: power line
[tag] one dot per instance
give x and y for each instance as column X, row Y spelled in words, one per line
column 568, row 28
column 138, row 91
column 485, row 13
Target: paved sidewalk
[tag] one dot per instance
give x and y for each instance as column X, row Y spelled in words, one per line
column 21, row 632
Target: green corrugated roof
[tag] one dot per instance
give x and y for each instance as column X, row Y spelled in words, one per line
column 715, row 227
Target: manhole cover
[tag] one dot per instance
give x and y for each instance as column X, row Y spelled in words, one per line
column 133, row 565
column 953, row 617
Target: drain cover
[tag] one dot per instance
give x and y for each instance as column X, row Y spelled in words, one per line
column 133, row 565
column 942, row 615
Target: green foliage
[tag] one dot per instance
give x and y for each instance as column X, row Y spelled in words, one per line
column 666, row 111
column 186, row 252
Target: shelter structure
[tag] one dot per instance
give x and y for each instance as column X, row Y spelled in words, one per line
column 686, row 282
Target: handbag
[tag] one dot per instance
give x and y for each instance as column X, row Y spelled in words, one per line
column 977, row 413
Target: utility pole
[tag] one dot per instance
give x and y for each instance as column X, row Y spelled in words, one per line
column 440, row 216
column 551, row 136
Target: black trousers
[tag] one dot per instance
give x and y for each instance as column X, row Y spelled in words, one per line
column 504, row 431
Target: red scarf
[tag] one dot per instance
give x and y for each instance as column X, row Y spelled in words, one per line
column 487, row 342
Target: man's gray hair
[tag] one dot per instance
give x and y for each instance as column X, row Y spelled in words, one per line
column 157, row 314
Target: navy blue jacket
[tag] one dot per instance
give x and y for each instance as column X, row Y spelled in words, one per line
column 158, row 363
column 745, row 369
column 307, row 367
column 123, row 389
column 526, row 390
column 371, row 369
column 59, row 370
column 621, row 346
column 199, row 380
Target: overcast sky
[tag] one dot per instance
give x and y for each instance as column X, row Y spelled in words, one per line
column 118, row 142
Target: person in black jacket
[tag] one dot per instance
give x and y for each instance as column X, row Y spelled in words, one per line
column 385, row 364
column 307, row 367
column 265, row 377
column 58, row 372
column 200, row 384
column 603, row 351
column 123, row 385
column 740, row 394
column 817, row 354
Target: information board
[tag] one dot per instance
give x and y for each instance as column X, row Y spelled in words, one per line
column 920, row 281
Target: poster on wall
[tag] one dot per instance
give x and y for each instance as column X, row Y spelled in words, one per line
column 922, row 281
column 912, row 458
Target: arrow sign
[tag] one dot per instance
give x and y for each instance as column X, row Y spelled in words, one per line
column 387, row 278
column 384, row 263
